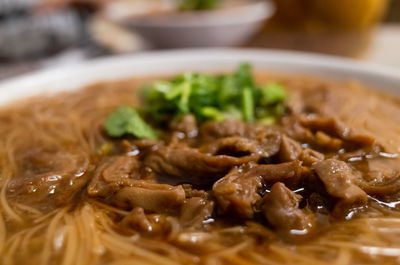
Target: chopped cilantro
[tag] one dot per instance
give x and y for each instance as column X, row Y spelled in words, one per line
column 248, row 104
column 272, row 93
column 207, row 97
column 128, row 121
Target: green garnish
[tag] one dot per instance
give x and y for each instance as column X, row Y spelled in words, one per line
column 128, row 121
column 248, row 104
column 218, row 98
column 191, row 5
column 213, row 113
column 272, row 93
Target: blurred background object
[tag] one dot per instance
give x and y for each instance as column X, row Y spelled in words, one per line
column 43, row 33
column 201, row 23
column 339, row 27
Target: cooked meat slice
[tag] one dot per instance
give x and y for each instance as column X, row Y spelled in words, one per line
column 368, row 114
column 269, row 140
column 333, row 127
column 309, row 156
column 327, row 142
column 213, row 130
column 190, row 192
column 388, row 187
column 121, row 167
column 382, row 176
column 113, row 174
column 281, row 209
column 186, row 127
column 290, row 149
column 232, row 146
column 339, row 181
column 289, row 172
column 295, row 130
column 192, row 165
column 147, row 224
column 380, row 171
column 145, row 143
column 153, row 197
column 50, row 177
column 194, row 211
column 237, row 191
column 117, row 180
column 139, row 146
column 315, row 99
column 239, row 146
column 266, row 139
column 226, row 147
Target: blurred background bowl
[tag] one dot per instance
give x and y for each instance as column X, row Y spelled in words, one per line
column 36, row 34
column 229, row 26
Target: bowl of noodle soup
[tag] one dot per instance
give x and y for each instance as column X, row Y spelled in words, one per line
column 320, row 184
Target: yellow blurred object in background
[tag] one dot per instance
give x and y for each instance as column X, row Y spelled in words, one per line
column 349, row 13
column 339, row 27
column 337, row 13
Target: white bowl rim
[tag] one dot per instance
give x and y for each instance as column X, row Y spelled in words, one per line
column 254, row 12
column 155, row 63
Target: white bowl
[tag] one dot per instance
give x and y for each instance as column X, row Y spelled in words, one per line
column 221, row 27
column 172, row 62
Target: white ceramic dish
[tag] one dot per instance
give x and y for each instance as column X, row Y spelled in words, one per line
column 170, row 62
column 216, row 28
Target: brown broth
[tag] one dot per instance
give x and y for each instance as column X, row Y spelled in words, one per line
column 78, row 229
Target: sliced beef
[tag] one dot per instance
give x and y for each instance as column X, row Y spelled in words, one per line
column 113, row 174
column 139, row 147
column 281, row 209
column 194, row 211
column 50, row 177
column 146, row 143
column 190, row 192
column 237, row 192
column 186, row 127
column 339, row 181
column 270, row 141
column 147, row 224
column 237, row 146
column 333, row 127
column 366, row 116
column 118, row 181
column 191, row 165
column 291, row 150
column 228, row 144
column 328, row 142
column 153, row 197
column 382, row 176
column 232, row 146
column 380, row 170
column 289, row 172
column 309, row 156
column 295, row 130
column 266, row 138
column 386, row 188
column 213, row 130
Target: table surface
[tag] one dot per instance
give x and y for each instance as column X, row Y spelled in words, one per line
column 385, row 46
column 382, row 46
